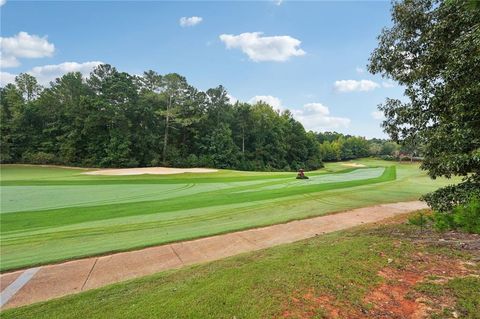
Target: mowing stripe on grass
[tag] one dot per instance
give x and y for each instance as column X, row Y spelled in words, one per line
column 68, row 215
column 117, row 267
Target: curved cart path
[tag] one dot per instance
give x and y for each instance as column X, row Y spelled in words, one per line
column 24, row 287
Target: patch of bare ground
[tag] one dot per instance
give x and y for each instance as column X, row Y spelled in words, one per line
column 311, row 304
column 353, row 165
column 458, row 241
column 396, row 297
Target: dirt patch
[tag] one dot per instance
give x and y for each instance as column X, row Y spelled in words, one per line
column 389, row 300
column 451, row 239
column 149, row 170
column 353, row 165
column 396, row 297
column 308, row 304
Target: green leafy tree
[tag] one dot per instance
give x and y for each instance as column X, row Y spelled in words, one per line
column 433, row 50
column 28, row 86
column 12, row 114
column 221, row 148
column 375, row 149
column 174, row 88
column 328, row 152
column 389, row 148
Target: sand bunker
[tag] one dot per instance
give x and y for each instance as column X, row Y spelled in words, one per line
column 149, row 170
column 353, row 165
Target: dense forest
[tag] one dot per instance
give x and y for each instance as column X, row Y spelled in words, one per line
column 114, row 119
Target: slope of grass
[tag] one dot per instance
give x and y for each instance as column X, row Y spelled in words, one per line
column 254, row 285
column 122, row 213
column 337, row 270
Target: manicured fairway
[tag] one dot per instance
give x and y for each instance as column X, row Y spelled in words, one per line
column 52, row 214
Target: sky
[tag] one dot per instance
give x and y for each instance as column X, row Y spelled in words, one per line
column 309, row 57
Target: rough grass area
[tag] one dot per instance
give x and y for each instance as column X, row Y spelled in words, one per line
column 54, row 214
column 363, row 273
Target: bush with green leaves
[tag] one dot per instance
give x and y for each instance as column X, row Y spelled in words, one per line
column 39, row 158
column 464, row 217
column 420, row 219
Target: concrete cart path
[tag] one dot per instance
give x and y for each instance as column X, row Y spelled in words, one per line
column 52, row 281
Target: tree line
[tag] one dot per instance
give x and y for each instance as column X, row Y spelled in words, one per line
column 338, row 147
column 114, row 119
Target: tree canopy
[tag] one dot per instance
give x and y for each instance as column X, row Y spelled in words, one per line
column 433, row 50
column 114, row 119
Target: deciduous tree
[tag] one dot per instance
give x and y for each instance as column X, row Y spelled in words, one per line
column 433, row 50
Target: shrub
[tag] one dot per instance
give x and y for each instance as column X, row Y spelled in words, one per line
column 443, row 221
column 419, row 219
column 468, row 217
column 388, row 157
column 191, row 161
column 465, row 217
column 313, row 164
column 39, row 158
column 205, row 161
column 447, row 198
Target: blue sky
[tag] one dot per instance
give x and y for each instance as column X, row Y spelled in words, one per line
column 308, row 57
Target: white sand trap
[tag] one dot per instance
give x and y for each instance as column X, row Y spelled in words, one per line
column 149, row 170
column 353, row 165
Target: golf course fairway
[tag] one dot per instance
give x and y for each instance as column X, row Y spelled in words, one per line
column 51, row 214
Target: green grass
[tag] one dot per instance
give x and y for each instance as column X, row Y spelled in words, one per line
column 53, row 214
column 466, row 291
column 253, row 285
column 344, row 266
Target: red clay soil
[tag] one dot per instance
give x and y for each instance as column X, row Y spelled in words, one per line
column 309, row 305
column 394, row 298
column 53, row 281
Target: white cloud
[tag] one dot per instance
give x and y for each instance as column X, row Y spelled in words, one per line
column 273, row 101
column 8, row 61
column 232, row 99
column 24, row 45
column 47, row 73
column 316, row 117
column 353, row 85
column 190, row 22
column 278, row 2
column 6, row 78
column 378, row 115
column 317, row 108
column 262, row 48
column 388, row 84
column 359, row 70
column 2, row 2
column 313, row 116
